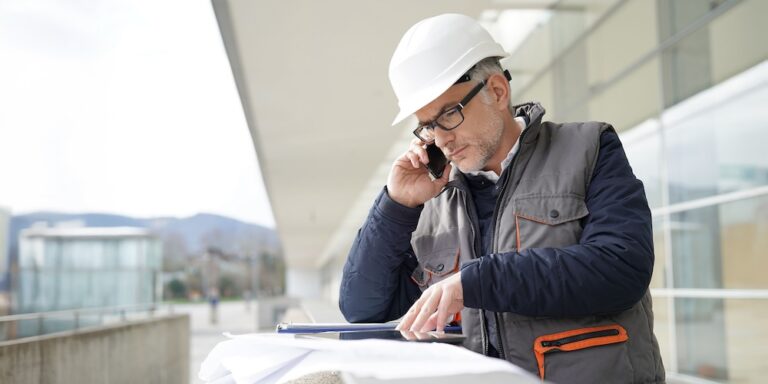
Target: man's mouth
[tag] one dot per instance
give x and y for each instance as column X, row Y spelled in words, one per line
column 451, row 155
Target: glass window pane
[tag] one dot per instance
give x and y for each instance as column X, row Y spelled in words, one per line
column 746, row 332
column 621, row 40
column 744, row 242
column 571, row 88
column 722, row 339
column 718, row 147
column 559, row 27
column 737, row 39
column 631, row 100
column 696, row 248
column 541, row 91
column 530, row 57
column 642, row 145
column 571, row 18
column 700, row 330
column 675, row 16
column 661, row 328
column 722, row 246
column 659, row 278
column 686, row 67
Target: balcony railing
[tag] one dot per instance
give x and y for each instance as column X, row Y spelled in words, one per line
column 41, row 323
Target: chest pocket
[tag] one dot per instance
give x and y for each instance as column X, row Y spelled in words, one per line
column 548, row 220
column 438, row 257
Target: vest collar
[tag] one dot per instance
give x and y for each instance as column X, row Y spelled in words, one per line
column 533, row 112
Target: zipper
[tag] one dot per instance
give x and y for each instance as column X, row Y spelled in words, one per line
column 576, row 339
column 583, row 336
column 470, row 210
column 503, row 182
column 483, row 332
column 499, row 332
column 495, row 222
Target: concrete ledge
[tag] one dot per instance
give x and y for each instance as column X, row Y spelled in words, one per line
column 146, row 351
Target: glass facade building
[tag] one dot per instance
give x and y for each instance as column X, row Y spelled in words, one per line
column 685, row 83
column 5, row 220
column 74, row 268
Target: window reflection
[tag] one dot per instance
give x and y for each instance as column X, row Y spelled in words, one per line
column 659, row 278
column 744, row 243
column 718, row 148
column 722, row 246
column 643, row 147
column 696, row 248
column 721, row 339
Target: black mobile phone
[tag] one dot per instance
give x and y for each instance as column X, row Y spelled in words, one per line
column 437, row 161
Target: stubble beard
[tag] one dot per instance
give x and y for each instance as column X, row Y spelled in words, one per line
column 487, row 144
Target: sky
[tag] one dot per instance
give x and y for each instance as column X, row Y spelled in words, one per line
column 122, row 106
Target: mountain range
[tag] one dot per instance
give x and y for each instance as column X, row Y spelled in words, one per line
column 187, row 236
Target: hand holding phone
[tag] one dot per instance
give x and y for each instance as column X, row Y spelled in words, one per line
column 418, row 175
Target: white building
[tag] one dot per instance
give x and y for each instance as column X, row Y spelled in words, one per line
column 68, row 268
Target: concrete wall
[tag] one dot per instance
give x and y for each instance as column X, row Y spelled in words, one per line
column 147, row 351
column 303, row 282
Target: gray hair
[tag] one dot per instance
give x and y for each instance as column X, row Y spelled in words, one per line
column 484, row 69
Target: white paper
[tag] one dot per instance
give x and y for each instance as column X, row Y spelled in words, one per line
column 273, row 358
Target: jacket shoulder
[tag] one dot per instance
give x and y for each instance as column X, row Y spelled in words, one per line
column 589, row 130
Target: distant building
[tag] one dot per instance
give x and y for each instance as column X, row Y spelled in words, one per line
column 68, row 268
column 5, row 221
column 5, row 218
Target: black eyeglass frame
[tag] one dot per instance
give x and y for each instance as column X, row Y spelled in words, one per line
column 462, row 104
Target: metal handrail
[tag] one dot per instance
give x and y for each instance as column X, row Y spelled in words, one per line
column 75, row 314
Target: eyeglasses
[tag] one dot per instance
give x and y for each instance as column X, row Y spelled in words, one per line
column 448, row 119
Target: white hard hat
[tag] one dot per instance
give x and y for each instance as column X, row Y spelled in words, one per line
column 432, row 55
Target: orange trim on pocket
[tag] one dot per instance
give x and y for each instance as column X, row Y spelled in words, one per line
column 533, row 219
column 440, row 273
column 427, row 279
column 577, row 339
column 517, row 229
column 457, row 265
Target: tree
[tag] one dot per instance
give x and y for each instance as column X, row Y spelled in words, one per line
column 229, row 287
column 177, row 288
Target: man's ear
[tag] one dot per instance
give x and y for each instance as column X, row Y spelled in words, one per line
column 499, row 87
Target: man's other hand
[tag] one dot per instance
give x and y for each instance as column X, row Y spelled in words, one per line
column 435, row 307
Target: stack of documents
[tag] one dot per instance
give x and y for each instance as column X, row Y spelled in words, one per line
column 278, row 358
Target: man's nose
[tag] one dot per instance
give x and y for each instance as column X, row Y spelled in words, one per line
column 443, row 137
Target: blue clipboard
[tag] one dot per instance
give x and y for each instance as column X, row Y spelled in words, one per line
column 344, row 327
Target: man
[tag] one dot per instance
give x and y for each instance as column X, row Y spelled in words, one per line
column 538, row 234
